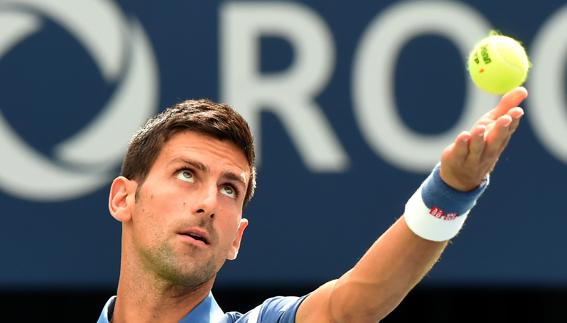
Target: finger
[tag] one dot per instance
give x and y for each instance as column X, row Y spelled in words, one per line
column 476, row 145
column 516, row 113
column 458, row 150
column 512, row 128
column 515, row 122
column 503, row 121
column 497, row 138
column 461, row 146
column 510, row 100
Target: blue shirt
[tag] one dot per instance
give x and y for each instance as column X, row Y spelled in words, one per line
column 274, row 310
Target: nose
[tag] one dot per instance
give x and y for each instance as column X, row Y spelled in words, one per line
column 206, row 203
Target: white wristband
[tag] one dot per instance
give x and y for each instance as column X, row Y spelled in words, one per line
column 431, row 224
column 436, row 211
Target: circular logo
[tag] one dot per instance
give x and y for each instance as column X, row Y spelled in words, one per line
column 123, row 55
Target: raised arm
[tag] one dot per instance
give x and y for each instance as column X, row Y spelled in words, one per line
column 400, row 258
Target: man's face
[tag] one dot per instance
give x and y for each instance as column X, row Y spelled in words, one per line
column 187, row 219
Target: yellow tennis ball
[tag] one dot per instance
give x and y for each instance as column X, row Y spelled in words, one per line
column 498, row 64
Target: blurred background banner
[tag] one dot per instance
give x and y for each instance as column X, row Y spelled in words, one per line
column 351, row 104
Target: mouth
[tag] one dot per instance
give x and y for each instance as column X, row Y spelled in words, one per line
column 196, row 234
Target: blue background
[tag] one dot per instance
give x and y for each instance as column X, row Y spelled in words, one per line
column 305, row 227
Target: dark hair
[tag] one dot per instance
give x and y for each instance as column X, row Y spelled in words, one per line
column 217, row 120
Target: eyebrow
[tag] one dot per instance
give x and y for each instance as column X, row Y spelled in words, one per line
column 233, row 177
column 202, row 167
column 195, row 164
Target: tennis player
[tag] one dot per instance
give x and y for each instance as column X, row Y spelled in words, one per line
column 189, row 173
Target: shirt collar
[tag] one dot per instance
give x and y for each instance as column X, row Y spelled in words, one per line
column 107, row 311
column 207, row 311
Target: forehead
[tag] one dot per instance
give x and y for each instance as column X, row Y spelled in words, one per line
column 204, row 148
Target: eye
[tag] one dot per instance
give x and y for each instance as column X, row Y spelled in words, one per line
column 185, row 175
column 229, row 191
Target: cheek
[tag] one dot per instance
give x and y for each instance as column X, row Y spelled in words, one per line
column 156, row 208
column 162, row 199
column 229, row 230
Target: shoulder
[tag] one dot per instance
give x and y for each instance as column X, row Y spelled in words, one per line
column 280, row 309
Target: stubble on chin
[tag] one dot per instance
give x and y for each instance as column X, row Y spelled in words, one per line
column 188, row 271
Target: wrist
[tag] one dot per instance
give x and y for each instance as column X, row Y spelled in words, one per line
column 436, row 211
column 465, row 185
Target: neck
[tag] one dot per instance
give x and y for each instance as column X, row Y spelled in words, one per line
column 144, row 297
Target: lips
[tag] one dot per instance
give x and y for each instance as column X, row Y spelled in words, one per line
column 197, row 234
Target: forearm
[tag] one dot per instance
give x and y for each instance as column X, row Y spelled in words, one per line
column 402, row 256
column 398, row 260
column 392, row 266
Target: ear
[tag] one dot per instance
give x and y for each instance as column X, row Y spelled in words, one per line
column 233, row 252
column 122, row 198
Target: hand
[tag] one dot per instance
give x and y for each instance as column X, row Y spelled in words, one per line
column 473, row 155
